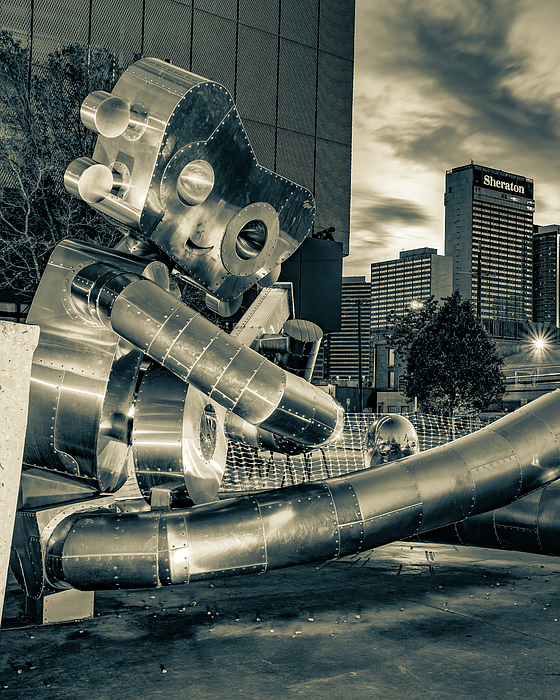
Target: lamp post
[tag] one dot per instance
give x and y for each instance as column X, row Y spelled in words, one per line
column 359, row 303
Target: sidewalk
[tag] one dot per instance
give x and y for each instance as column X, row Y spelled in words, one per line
column 403, row 621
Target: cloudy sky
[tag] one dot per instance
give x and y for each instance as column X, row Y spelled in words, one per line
column 438, row 83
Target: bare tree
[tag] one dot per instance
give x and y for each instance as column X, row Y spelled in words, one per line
column 40, row 134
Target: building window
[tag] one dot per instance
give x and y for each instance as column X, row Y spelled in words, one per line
column 390, row 357
column 391, row 379
column 391, row 409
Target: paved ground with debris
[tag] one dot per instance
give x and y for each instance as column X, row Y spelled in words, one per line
column 404, row 621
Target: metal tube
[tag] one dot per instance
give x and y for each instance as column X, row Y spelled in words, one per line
column 529, row 524
column 320, row 520
column 214, row 362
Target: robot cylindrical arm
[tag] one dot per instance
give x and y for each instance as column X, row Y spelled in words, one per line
column 232, row 374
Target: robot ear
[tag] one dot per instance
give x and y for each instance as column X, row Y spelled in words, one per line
column 105, row 114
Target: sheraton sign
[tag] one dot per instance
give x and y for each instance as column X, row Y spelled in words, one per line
column 502, row 183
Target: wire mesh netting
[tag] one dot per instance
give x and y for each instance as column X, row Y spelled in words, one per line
column 250, row 469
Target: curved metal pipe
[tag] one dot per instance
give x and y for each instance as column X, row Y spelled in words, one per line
column 319, row 520
column 529, row 524
column 214, row 362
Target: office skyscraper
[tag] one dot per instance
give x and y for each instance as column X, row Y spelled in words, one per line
column 546, row 275
column 397, row 284
column 347, row 352
column 488, row 233
column 288, row 65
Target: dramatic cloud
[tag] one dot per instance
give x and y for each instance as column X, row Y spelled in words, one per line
column 436, row 85
column 373, row 210
column 379, row 225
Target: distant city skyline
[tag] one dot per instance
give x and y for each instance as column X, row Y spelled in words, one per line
column 436, row 86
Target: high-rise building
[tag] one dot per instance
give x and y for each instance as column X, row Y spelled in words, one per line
column 288, row 65
column 546, row 274
column 411, row 279
column 488, row 233
column 346, row 353
column 400, row 285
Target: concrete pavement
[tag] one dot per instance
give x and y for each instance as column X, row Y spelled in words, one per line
column 403, row 621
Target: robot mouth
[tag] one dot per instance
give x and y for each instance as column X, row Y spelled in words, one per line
column 194, row 249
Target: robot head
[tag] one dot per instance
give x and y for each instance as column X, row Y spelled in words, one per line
column 173, row 166
column 389, row 438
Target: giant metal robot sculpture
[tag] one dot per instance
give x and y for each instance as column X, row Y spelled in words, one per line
column 123, row 368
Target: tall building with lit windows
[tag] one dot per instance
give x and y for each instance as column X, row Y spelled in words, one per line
column 546, row 274
column 412, row 278
column 489, row 235
column 346, row 352
column 399, row 285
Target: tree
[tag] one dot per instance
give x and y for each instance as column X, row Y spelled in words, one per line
column 40, row 134
column 454, row 367
column 401, row 330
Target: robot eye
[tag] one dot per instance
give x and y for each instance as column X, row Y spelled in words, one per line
column 195, row 182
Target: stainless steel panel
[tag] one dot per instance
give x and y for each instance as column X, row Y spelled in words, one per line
column 237, row 377
column 250, row 219
column 349, row 516
column 389, row 502
column 83, row 375
column 529, row 524
column 287, row 419
column 178, row 437
column 495, row 461
column 128, row 550
column 322, row 520
column 300, row 526
column 549, row 523
column 174, row 549
column 267, row 314
column 439, row 475
column 226, row 538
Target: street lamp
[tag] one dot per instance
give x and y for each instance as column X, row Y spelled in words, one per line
column 359, row 303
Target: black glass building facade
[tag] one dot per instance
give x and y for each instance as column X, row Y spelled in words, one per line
column 288, row 64
column 546, row 274
column 488, row 233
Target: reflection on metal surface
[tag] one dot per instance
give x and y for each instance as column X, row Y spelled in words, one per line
column 135, row 395
column 329, row 519
column 529, row 524
column 389, row 438
column 83, row 376
column 195, row 182
column 197, row 190
column 88, row 180
column 178, row 438
column 236, row 377
column 105, row 114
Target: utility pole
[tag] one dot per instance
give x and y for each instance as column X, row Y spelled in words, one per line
column 359, row 303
